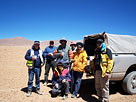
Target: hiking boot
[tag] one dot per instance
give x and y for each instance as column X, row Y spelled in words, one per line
column 39, row 92
column 45, row 83
column 77, row 96
column 105, row 100
column 100, row 99
column 65, row 96
column 73, row 96
column 28, row 93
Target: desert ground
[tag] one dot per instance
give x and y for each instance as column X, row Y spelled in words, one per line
column 14, row 78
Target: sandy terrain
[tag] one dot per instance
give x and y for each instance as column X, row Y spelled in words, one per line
column 14, row 77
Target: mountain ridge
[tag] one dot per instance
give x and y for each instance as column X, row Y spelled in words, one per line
column 21, row 41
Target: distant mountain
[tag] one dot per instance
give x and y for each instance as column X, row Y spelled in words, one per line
column 20, row 41
column 16, row 41
column 56, row 42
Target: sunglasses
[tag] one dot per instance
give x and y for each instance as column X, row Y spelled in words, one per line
column 79, row 47
column 99, row 42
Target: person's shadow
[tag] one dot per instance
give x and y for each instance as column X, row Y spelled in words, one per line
column 87, row 89
column 50, row 86
column 25, row 89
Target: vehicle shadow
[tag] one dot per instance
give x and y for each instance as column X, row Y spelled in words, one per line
column 116, row 87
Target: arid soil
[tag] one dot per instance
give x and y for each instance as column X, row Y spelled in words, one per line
column 14, row 77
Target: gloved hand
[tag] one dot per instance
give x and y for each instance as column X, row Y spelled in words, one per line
column 56, row 85
column 64, row 80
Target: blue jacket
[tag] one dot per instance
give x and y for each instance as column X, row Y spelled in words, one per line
column 49, row 50
column 58, row 77
column 37, row 62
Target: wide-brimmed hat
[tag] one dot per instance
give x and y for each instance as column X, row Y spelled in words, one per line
column 63, row 39
column 72, row 43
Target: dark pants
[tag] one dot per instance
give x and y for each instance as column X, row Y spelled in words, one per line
column 76, row 81
column 31, row 72
column 49, row 64
column 66, row 65
column 63, row 88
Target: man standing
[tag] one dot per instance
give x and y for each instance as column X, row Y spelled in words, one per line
column 79, row 61
column 103, row 64
column 64, row 53
column 50, row 60
column 35, row 60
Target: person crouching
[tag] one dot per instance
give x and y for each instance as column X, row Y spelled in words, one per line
column 60, row 80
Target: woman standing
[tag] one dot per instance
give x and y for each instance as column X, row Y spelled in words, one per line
column 79, row 61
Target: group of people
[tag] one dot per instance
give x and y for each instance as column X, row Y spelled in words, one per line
column 68, row 65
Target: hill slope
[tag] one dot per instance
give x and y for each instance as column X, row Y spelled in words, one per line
column 20, row 41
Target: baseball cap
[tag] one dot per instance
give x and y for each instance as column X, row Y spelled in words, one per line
column 100, row 40
column 36, row 42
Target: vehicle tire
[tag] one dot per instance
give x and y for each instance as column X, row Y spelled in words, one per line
column 129, row 83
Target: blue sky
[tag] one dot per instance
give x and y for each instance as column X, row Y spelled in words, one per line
column 72, row 19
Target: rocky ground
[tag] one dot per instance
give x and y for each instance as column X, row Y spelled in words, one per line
column 14, row 77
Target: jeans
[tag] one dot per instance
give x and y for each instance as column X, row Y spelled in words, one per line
column 76, row 82
column 31, row 72
column 62, row 87
column 47, row 69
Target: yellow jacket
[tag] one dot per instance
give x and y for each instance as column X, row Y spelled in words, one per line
column 80, row 61
column 106, row 62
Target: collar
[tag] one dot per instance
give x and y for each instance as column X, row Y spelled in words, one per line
column 58, row 71
column 82, row 50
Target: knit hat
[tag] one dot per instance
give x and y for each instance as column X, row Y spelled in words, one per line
column 51, row 42
column 80, row 43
